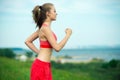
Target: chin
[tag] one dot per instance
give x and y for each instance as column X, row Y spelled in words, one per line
column 54, row 20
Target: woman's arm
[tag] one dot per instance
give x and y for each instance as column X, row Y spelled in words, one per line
column 53, row 42
column 29, row 42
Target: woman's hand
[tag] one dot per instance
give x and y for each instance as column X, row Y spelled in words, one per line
column 68, row 31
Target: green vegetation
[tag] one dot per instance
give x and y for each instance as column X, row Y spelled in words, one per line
column 11, row 69
column 6, row 52
column 29, row 54
column 112, row 64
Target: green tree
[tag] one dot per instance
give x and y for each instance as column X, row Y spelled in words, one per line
column 113, row 63
column 29, row 54
column 6, row 52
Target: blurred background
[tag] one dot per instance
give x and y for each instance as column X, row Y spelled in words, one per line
column 94, row 46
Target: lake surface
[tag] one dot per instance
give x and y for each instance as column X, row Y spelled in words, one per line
column 85, row 54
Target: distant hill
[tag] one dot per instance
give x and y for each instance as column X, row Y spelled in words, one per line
column 19, row 50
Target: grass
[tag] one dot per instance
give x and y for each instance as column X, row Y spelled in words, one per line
column 11, row 69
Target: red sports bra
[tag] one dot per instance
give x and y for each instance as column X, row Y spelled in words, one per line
column 46, row 44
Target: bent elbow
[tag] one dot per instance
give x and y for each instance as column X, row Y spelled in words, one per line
column 57, row 49
column 26, row 42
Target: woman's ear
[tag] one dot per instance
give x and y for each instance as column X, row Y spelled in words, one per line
column 47, row 13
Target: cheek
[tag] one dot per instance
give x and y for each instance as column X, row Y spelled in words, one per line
column 53, row 15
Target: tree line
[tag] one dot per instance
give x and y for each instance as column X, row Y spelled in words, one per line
column 8, row 52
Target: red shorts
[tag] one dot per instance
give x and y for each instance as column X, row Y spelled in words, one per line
column 41, row 70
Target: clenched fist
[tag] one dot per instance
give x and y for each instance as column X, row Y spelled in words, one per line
column 68, row 31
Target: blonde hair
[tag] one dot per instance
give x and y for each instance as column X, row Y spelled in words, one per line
column 39, row 13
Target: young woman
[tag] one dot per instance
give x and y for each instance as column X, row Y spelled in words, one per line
column 43, row 16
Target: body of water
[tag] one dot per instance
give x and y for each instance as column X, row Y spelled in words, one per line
column 88, row 54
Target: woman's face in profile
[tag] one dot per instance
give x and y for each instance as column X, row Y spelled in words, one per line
column 52, row 13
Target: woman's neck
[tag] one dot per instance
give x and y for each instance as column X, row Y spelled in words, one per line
column 48, row 22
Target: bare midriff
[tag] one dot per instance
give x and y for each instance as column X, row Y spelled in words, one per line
column 45, row 54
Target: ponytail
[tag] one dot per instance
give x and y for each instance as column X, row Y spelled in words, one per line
column 39, row 13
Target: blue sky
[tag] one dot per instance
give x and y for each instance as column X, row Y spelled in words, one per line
column 94, row 22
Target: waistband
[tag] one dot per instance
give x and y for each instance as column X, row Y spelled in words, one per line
column 38, row 61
